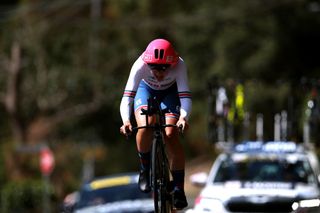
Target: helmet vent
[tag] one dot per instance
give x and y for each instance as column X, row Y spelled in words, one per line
column 158, row 54
column 161, row 53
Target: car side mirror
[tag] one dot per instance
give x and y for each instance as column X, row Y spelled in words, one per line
column 199, row 179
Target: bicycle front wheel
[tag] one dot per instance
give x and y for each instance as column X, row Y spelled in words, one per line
column 160, row 178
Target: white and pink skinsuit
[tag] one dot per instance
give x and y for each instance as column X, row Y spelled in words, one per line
column 141, row 72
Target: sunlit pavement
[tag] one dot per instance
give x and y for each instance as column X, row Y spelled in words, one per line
column 190, row 202
column 191, row 193
column 201, row 164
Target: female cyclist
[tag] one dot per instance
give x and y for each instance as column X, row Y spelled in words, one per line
column 159, row 72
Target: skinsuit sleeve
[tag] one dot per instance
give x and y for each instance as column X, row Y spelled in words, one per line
column 136, row 75
column 183, row 89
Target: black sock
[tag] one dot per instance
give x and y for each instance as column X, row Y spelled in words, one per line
column 178, row 179
column 144, row 160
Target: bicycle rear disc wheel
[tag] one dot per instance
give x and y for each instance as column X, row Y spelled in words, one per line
column 160, row 178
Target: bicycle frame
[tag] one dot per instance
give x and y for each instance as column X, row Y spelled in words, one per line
column 160, row 170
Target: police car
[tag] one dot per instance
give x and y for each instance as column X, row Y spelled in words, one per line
column 114, row 194
column 260, row 177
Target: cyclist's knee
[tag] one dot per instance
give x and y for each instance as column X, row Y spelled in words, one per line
column 145, row 131
column 171, row 133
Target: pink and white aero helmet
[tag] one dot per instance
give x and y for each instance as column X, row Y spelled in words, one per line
column 160, row 51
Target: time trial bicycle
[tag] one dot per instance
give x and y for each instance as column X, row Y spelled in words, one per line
column 160, row 176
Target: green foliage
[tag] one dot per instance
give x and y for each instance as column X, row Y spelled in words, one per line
column 70, row 58
column 2, row 169
column 23, row 196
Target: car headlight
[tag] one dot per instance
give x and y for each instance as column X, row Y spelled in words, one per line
column 306, row 204
column 203, row 204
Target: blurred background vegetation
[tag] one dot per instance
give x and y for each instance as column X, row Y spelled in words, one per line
column 64, row 65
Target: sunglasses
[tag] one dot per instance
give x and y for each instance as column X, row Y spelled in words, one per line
column 159, row 67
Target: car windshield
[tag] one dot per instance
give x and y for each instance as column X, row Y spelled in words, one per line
column 264, row 170
column 110, row 194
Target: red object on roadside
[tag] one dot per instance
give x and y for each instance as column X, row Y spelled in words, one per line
column 46, row 161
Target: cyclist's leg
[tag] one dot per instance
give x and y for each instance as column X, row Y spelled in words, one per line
column 176, row 154
column 143, row 136
column 177, row 160
column 175, row 149
column 171, row 103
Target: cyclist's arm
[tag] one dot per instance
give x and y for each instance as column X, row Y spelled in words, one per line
column 130, row 90
column 183, row 91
